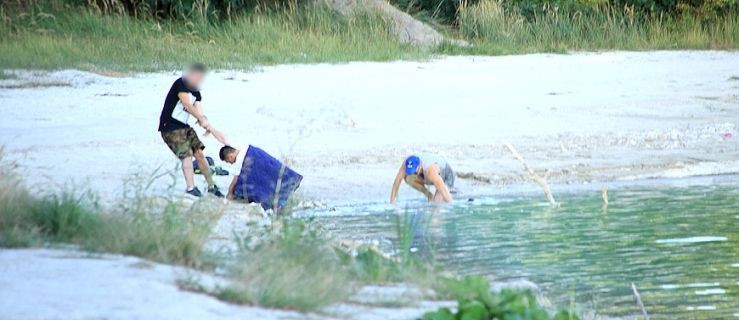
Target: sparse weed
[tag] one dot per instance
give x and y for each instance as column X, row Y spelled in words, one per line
column 289, row 266
column 153, row 228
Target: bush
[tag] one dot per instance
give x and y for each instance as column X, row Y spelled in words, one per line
column 495, row 29
column 476, row 302
column 442, row 10
column 290, row 266
column 211, row 10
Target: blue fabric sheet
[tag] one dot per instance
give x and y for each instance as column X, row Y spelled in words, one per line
column 259, row 180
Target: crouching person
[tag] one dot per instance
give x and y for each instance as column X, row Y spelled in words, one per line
column 262, row 178
column 426, row 170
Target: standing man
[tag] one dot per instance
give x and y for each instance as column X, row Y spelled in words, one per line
column 422, row 170
column 181, row 107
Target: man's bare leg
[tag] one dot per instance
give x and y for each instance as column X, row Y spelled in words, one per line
column 204, row 167
column 189, row 172
column 418, row 185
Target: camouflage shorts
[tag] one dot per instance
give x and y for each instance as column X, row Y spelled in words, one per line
column 183, row 142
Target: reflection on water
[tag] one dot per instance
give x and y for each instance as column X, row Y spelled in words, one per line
column 679, row 245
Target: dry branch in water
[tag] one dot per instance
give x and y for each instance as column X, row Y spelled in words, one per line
column 541, row 181
column 637, row 297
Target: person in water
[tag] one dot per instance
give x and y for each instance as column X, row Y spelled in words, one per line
column 181, row 107
column 425, row 170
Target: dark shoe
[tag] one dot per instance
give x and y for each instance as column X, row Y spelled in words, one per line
column 220, row 171
column 215, row 191
column 195, row 192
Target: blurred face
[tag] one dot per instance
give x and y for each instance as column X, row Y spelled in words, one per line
column 195, row 78
column 231, row 158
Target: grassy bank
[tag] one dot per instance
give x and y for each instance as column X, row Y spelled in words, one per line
column 88, row 40
column 64, row 37
column 152, row 228
column 492, row 29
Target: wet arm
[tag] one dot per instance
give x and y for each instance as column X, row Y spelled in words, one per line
column 396, row 184
column 440, row 185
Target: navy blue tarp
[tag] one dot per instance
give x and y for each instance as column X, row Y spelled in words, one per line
column 265, row 180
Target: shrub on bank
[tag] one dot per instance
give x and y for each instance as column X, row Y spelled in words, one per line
column 289, row 266
column 476, row 302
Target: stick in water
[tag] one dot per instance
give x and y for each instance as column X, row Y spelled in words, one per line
column 541, row 181
column 604, row 194
column 638, row 301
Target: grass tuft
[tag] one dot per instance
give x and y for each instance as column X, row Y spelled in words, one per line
column 156, row 229
column 292, row 268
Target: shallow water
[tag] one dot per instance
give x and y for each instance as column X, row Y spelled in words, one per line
column 679, row 245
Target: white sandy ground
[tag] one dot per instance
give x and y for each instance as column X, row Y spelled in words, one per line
column 588, row 117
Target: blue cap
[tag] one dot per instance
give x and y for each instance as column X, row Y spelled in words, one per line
column 411, row 164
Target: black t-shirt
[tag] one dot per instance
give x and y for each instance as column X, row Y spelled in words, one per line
column 174, row 116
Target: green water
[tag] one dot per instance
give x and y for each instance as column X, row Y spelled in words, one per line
column 679, row 245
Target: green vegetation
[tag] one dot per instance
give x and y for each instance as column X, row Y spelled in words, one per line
column 290, row 266
column 155, row 229
column 104, row 35
column 476, row 302
column 449, row 11
column 492, row 29
column 85, row 39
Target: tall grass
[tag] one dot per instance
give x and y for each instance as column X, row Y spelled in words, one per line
column 84, row 39
column 291, row 266
column 495, row 30
column 152, row 228
column 50, row 37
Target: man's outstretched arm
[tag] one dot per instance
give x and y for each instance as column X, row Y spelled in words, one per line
column 217, row 135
